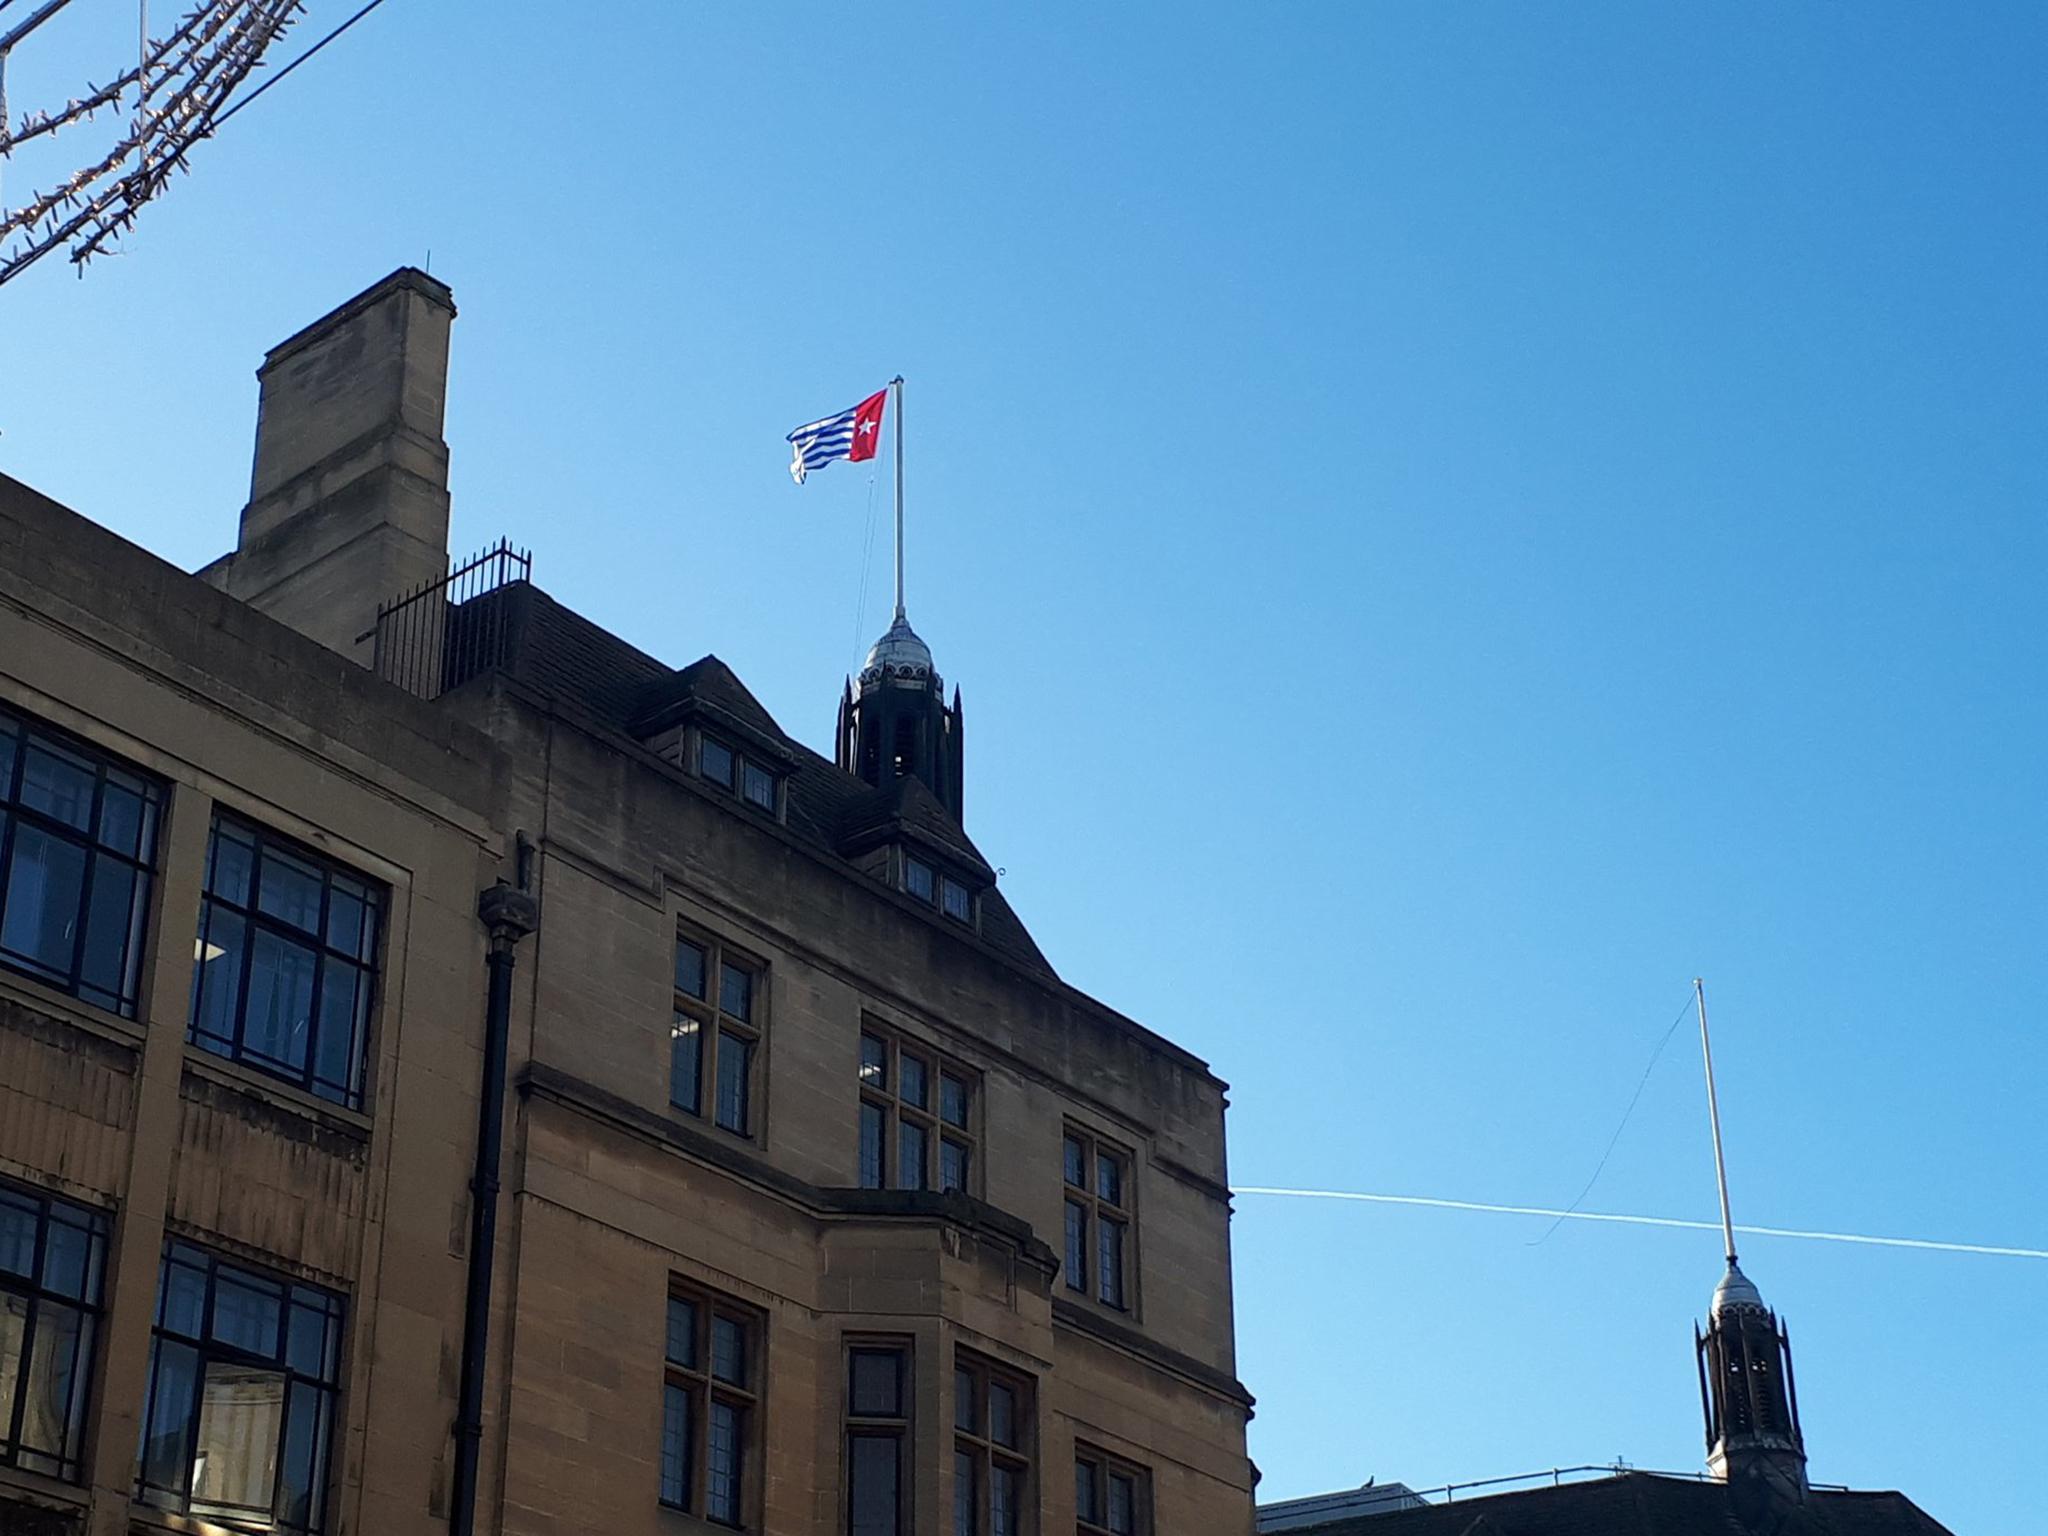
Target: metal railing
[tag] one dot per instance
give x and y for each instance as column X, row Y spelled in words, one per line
column 444, row 632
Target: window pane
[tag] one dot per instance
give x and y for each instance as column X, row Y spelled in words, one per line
column 1002, row 1415
column 722, row 1495
column 876, row 1389
column 873, row 1502
column 690, row 959
column 44, row 886
column 675, row 1446
column 953, row 897
column 336, row 1050
column 182, row 1303
column 735, row 1064
column 736, row 992
column 55, row 1403
column 1077, row 1247
column 288, row 888
column 1109, row 1178
column 305, row 1457
column 1005, row 1501
column 1087, row 1503
column 964, row 1491
column 966, row 1415
column 952, row 1164
column 230, row 856
column 346, row 920
column 686, row 1064
column 217, row 978
column 910, row 1149
column 874, row 1063
column 121, row 814
column 953, row 1100
column 174, row 1379
column 714, row 760
column 728, row 1351
column 1110, row 1260
column 110, row 925
column 64, row 1260
column 1123, row 1505
column 306, row 1341
column 872, row 1123
column 234, row 1464
column 57, row 783
column 18, row 1219
column 279, row 1014
column 246, row 1313
column 759, row 786
column 7, row 749
column 13, row 1334
column 682, row 1331
column 917, row 879
column 916, row 1083
column 1077, row 1164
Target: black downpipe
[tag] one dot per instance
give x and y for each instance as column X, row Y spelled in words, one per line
column 510, row 915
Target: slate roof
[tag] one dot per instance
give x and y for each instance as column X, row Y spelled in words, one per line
column 1638, row 1504
column 556, row 650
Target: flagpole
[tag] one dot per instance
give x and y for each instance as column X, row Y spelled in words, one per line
column 896, row 384
column 1699, row 990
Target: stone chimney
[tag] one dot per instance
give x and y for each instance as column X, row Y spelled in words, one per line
column 348, row 504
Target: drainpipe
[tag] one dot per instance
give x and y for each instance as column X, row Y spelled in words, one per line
column 509, row 914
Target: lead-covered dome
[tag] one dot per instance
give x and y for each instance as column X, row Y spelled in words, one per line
column 900, row 657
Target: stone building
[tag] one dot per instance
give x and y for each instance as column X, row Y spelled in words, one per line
column 813, row 1200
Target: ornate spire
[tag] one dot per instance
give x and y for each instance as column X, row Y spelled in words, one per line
column 895, row 724
column 1748, row 1394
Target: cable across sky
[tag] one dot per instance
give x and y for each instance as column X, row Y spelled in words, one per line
column 1490, row 1208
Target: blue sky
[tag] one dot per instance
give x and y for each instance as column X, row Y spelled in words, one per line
column 1450, row 520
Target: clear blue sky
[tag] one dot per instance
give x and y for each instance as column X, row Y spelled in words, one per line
column 1450, row 520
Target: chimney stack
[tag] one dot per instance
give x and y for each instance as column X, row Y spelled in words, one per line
column 348, row 502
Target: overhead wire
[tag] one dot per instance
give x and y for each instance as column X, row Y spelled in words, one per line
column 295, row 63
column 1615, row 1140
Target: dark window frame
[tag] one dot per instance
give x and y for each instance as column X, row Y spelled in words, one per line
column 881, row 1094
column 698, row 1378
column 1096, row 1216
column 42, row 1298
column 718, row 1032
column 248, row 912
column 19, row 734
column 944, row 882
column 975, row 1440
column 316, row 1390
column 743, row 763
column 896, row 1428
column 1099, row 1520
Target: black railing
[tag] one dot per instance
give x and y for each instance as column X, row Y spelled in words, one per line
column 444, row 632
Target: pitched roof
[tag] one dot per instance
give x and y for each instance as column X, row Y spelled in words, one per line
column 560, row 652
column 1637, row 1504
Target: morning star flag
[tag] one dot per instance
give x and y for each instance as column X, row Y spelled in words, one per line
column 852, row 434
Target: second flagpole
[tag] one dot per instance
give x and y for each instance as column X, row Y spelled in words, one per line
column 896, row 384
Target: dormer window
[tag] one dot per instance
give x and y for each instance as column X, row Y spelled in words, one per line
column 715, row 761
column 933, row 886
column 954, row 900
column 753, row 780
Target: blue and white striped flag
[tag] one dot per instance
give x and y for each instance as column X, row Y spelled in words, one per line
column 852, row 434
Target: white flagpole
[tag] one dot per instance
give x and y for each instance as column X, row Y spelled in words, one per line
column 1699, row 989
column 896, row 384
